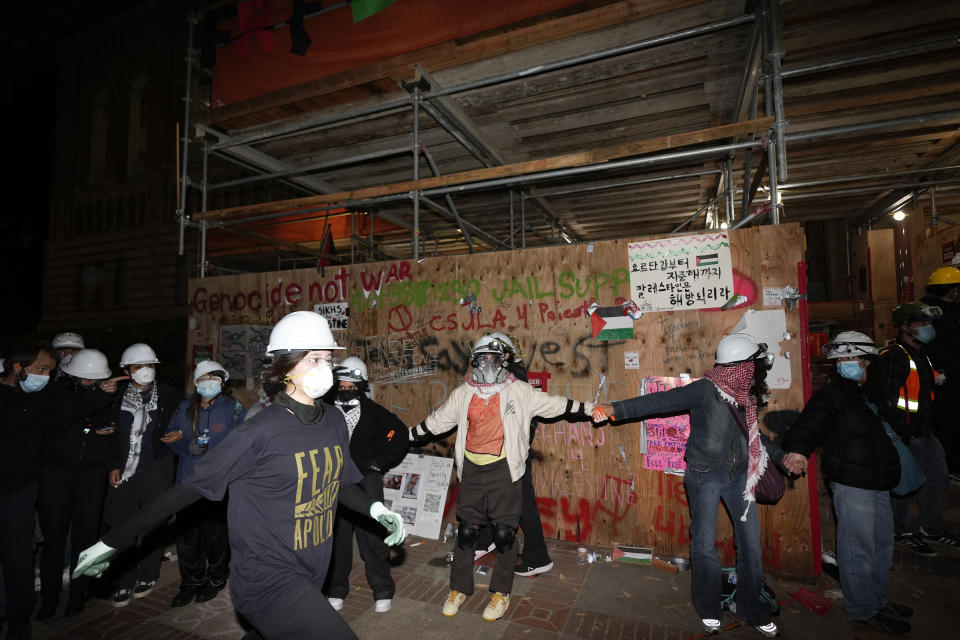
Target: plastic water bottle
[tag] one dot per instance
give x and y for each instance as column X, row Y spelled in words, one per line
column 448, row 532
column 583, row 555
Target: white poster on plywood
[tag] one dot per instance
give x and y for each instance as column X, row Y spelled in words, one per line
column 417, row 490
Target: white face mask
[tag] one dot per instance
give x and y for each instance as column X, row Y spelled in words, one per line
column 144, row 376
column 318, row 380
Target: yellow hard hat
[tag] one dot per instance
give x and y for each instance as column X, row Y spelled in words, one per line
column 945, row 275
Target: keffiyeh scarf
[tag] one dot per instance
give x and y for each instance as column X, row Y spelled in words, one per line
column 351, row 413
column 133, row 403
column 734, row 384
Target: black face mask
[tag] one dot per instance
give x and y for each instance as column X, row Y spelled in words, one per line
column 347, row 396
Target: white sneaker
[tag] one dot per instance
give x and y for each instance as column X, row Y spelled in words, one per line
column 710, row 625
column 479, row 553
column 453, row 602
column 336, row 603
column 382, row 606
column 770, row 629
column 497, row 607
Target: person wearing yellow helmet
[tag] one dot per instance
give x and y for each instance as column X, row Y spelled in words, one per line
column 943, row 290
column 909, row 381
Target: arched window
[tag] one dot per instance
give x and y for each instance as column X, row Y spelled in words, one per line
column 138, row 119
column 99, row 119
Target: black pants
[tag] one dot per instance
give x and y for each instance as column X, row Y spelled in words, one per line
column 534, row 546
column 70, row 501
column 373, row 550
column 16, row 553
column 946, row 406
column 203, row 549
column 125, row 500
column 487, row 496
column 307, row 616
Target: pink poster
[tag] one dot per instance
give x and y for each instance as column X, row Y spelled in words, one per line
column 666, row 436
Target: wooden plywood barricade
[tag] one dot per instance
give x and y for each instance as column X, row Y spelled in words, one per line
column 406, row 321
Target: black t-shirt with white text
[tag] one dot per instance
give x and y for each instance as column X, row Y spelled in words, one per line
column 284, row 478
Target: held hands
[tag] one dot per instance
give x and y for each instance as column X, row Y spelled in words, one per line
column 94, row 560
column 171, row 437
column 795, row 463
column 603, row 413
column 392, row 521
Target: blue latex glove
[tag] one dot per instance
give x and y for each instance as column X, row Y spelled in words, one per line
column 392, row 521
column 94, row 560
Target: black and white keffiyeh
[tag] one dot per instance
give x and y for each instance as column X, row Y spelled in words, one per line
column 133, row 403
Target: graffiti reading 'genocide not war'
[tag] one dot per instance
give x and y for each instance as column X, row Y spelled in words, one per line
column 688, row 272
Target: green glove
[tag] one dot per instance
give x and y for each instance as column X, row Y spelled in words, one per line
column 392, row 521
column 94, row 560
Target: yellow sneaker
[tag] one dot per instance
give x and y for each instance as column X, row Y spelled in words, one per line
column 497, row 607
column 452, row 605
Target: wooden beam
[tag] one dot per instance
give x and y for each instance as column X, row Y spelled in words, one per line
column 455, row 53
column 280, row 244
column 517, row 169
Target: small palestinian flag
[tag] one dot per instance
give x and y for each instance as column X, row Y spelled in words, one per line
column 708, row 259
column 632, row 555
column 610, row 323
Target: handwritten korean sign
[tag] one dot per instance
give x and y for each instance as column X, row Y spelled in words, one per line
column 686, row 272
column 666, row 436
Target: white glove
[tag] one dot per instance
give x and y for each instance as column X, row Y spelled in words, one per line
column 94, row 560
column 392, row 521
column 941, row 378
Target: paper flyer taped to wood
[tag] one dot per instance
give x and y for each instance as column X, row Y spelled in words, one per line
column 682, row 273
column 666, row 436
column 417, row 490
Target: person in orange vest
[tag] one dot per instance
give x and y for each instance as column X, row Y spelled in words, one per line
column 909, row 381
column 943, row 290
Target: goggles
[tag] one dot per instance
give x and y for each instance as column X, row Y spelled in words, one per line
column 844, row 349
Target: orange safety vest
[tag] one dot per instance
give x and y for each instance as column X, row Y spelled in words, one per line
column 909, row 399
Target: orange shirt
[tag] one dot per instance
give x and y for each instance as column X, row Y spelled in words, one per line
column 484, row 430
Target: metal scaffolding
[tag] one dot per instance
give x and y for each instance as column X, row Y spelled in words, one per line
column 425, row 95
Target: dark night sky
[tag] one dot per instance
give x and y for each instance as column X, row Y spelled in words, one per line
column 29, row 103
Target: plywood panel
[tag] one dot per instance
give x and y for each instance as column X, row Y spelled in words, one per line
column 407, row 323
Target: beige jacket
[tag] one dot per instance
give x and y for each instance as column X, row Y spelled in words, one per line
column 519, row 403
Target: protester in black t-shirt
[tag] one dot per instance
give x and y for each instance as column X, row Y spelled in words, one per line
column 286, row 468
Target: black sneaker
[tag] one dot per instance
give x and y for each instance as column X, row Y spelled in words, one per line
column 913, row 542
column 143, row 588
column 939, row 538
column 898, row 610
column 47, row 610
column 887, row 624
column 121, row 597
column 955, row 478
column 185, row 596
column 209, row 591
column 526, row 569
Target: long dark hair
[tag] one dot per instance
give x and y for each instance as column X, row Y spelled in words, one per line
column 759, row 388
column 27, row 354
column 274, row 374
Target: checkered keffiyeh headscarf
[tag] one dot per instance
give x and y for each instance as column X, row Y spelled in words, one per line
column 734, row 383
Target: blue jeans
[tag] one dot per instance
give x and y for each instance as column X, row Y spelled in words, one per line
column 929, row 453
column 864, row 548
column 705, row 488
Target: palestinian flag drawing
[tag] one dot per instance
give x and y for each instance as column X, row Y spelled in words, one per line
column 632, row 555
column 610, row 323
column 707, row 259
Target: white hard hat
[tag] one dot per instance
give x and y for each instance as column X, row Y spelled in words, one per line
column 505, row 339
column 88, row 363
column 493, row 343
column 138, row 353
column 210, row 366
column 68, row 340
column 301, row 331
column 739, row 347
column 850, row 343
column 352, row 369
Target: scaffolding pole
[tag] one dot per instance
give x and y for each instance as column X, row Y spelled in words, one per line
column 181, row 214
column 415, row 194
column 886, row 54
column 773, row 55
column 435, row 170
